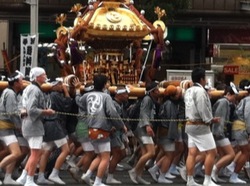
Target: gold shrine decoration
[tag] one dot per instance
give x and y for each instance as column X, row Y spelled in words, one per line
column 61, row 19
column 76, row 8
column 61, row 30
column 160, row 12
column 113, row 16
column 112, row 21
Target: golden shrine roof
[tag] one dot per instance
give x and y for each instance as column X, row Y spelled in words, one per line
column 113, row 22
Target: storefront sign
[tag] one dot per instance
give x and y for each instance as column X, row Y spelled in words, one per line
column 180, row 75
column 231, row 69
column 236, row 69
column 244, row 69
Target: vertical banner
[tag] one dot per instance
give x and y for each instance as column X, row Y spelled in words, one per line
column 28, row 53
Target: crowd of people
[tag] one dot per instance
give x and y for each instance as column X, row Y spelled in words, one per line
column 179, row 133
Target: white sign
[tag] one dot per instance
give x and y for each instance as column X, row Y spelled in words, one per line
column 180, row 75
column 28, row 53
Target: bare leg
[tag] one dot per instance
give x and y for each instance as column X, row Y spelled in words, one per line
column 149, row 152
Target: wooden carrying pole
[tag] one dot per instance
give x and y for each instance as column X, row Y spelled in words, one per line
column 134, row 91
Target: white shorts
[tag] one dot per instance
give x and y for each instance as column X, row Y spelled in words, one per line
column 202, row 142
column 9, row 139
column 223, row 142
column 101, row 146
column 146, row 140
column 58, row 143
column 87, row 146
column 35, row 142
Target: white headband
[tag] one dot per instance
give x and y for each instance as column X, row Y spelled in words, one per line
column 124, row 90
column 232, row 85
column 19, row 75
column 59, row 79
column 152, row 89
column 247, row 87
column 14, row 78
column 87, row 89
column 208, row 86
column 121, row 91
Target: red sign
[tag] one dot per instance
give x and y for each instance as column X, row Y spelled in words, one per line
column 231, row 69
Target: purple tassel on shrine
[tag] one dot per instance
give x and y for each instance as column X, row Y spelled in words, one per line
column 157, row 58
column 76, row 56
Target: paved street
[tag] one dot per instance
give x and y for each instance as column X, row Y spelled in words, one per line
column 124, row 177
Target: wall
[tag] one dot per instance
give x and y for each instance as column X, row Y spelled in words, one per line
column 219, row 5
column 4, row 30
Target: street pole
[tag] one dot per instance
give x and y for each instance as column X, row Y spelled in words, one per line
column 34, row 4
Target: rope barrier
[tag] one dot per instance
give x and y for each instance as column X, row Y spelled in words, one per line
column 10, row 113
column 106, row 118
column 113, row 118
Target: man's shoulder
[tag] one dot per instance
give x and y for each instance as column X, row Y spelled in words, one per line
column 31, row 87
column 146, row 97
column 98, row 95
column 197, row 89
column 8, row 91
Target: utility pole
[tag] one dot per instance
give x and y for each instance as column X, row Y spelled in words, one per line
column 34, row 4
